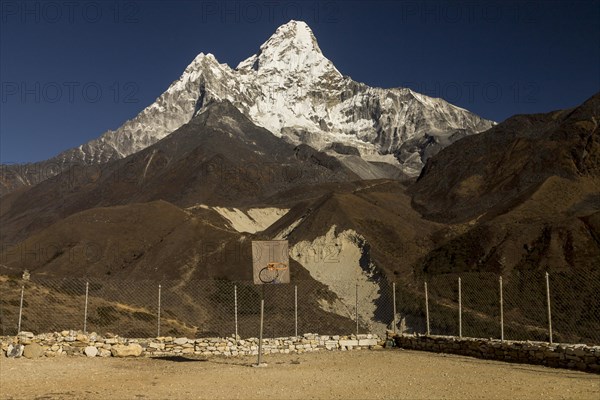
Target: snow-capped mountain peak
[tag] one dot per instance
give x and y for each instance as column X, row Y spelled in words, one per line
column 290, row 88
column 293, row 48
column 296, row 32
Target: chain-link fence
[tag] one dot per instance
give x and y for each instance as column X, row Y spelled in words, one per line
column 519, row 306
column 524, row 305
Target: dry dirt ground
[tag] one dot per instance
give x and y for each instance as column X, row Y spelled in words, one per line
column 341, row 375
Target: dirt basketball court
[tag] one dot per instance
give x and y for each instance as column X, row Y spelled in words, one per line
column 326, row 375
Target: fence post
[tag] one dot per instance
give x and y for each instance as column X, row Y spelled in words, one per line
column 356, row 309
column 21, row 309
column 549, row 309
column 158, row 314
column 394, row 308
column 501, row 312
column 459, row 308
column 296, row 310
column 85, row 311
column 427, row 309
column 235, row 310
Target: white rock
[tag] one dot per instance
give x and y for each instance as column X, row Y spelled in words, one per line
column 180, row 341
column 348, row 343
column 15, row 351
column 104, row 353
column 131, row 350
column 367, row 342
column 91, row 351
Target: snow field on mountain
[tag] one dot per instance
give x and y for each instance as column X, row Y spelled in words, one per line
column 252, row 220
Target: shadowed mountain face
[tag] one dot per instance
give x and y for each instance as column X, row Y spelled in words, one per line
column 528, row 190
column 486, row 174
column 219, row 158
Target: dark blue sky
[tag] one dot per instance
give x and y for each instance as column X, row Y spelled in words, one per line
column 70, row 71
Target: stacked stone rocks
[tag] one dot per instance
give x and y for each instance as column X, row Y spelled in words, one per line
column 560, row 355
column 73, row 343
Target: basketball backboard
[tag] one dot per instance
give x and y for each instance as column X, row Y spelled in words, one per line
column 270, row 262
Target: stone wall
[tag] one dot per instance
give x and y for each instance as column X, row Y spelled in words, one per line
column 72, row 343
column 560, row 355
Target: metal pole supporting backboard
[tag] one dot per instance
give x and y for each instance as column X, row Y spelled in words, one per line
column 259, row 362
column 260, row 335
column 270, row 265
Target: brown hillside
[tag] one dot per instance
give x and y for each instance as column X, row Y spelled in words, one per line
column 503, row 166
